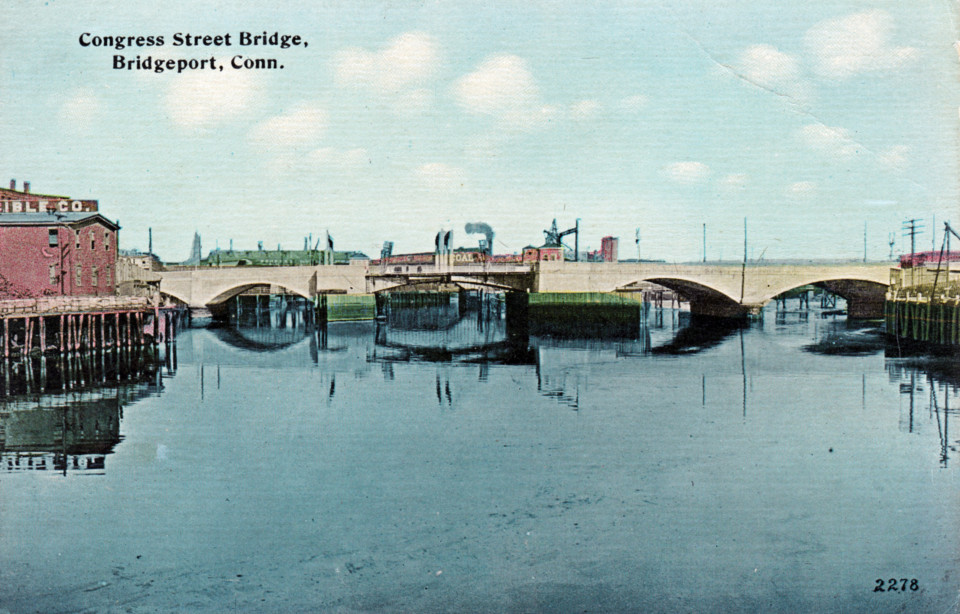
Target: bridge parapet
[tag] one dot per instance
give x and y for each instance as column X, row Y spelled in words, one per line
column 205, row 286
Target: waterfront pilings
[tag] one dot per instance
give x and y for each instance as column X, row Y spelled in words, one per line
column 924, row 319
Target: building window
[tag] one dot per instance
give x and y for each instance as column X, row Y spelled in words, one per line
column 52, row 237
column 93, row 242
column 78, row 239
column 107, row 273
column 53, row 274
column 79, row 274
column 106, row 241
column 94, row 278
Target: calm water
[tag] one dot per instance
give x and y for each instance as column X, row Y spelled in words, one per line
column 430, row 464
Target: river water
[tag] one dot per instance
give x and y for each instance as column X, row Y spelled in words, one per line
column 436, row 463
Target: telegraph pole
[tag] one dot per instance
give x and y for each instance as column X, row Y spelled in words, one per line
column 743, row 269
column 912, row 228
column 704, row 242
column 864, row 241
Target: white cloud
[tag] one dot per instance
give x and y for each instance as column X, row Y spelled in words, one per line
column 197, row 100
column 80, row 110
column 894, row 157
column 833, row 141
column 330, row 157
column 845, row 46
column 501, row 86
column 687, row 172
column 407, row 61
column 633, row 103
column 585, row 109
column 300, row 126
column 770, row 68
column 735, row 181
column 802, row 188
column 440, row 176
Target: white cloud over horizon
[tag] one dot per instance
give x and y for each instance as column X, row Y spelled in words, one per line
column 201, row 99
column 81, row 109
column 406, row 62
column 769, row 68
column 833, row 141
column 844, row 46
column 503, row 87
column 687, row 172
column 301, row 126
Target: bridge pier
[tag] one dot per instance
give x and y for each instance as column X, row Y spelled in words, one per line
column 713, row 308
column 864, row 308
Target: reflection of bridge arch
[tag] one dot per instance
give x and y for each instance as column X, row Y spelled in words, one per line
column 266, row 339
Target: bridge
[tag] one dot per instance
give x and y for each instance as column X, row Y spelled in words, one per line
column 725, row 290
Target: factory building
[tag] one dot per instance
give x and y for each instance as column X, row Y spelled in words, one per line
column 608, row 249
column 54, row 246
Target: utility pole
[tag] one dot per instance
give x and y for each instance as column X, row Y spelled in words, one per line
column 576, row 243
column 743, row 269
column 933, row 236
column 891, row 239
column 637, row 234
column 864, row 241
column 912, row 228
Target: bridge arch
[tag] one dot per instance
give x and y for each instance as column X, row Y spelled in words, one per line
column 864, row 296
column 229, row 292
column 413, row 285
column 704, row 299
column 174, row 295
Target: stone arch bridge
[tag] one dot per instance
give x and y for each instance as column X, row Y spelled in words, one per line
column 726, row 290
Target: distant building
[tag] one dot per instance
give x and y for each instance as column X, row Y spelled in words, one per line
column 23, row 201
column 54, row 246
column 608, row 248
column 546, row 252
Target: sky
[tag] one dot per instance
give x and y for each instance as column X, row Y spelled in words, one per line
column 817, row 122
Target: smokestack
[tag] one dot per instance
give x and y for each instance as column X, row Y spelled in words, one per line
column 26, row 187
column 481, row 228
column 13, row 184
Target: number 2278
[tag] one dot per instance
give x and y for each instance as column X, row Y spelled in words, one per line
column 893, row 585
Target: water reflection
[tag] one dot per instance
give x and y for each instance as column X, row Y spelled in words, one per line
column 64, row 413
column 696, row 334
column 929, row 388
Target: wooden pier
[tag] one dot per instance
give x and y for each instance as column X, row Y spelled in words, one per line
column 64, row 325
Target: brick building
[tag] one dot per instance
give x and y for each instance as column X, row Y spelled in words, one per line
column 608, row 249
column 54, row 246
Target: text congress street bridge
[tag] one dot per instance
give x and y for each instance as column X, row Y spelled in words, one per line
column 729, row 290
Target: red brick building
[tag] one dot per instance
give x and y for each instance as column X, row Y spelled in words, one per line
column 53, row 250
column 608, row 249
column 23, row 201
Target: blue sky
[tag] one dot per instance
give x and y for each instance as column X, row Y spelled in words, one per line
column 402, row 118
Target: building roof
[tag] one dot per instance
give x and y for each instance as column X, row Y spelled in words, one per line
column 21, row 195
column 53, row 218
